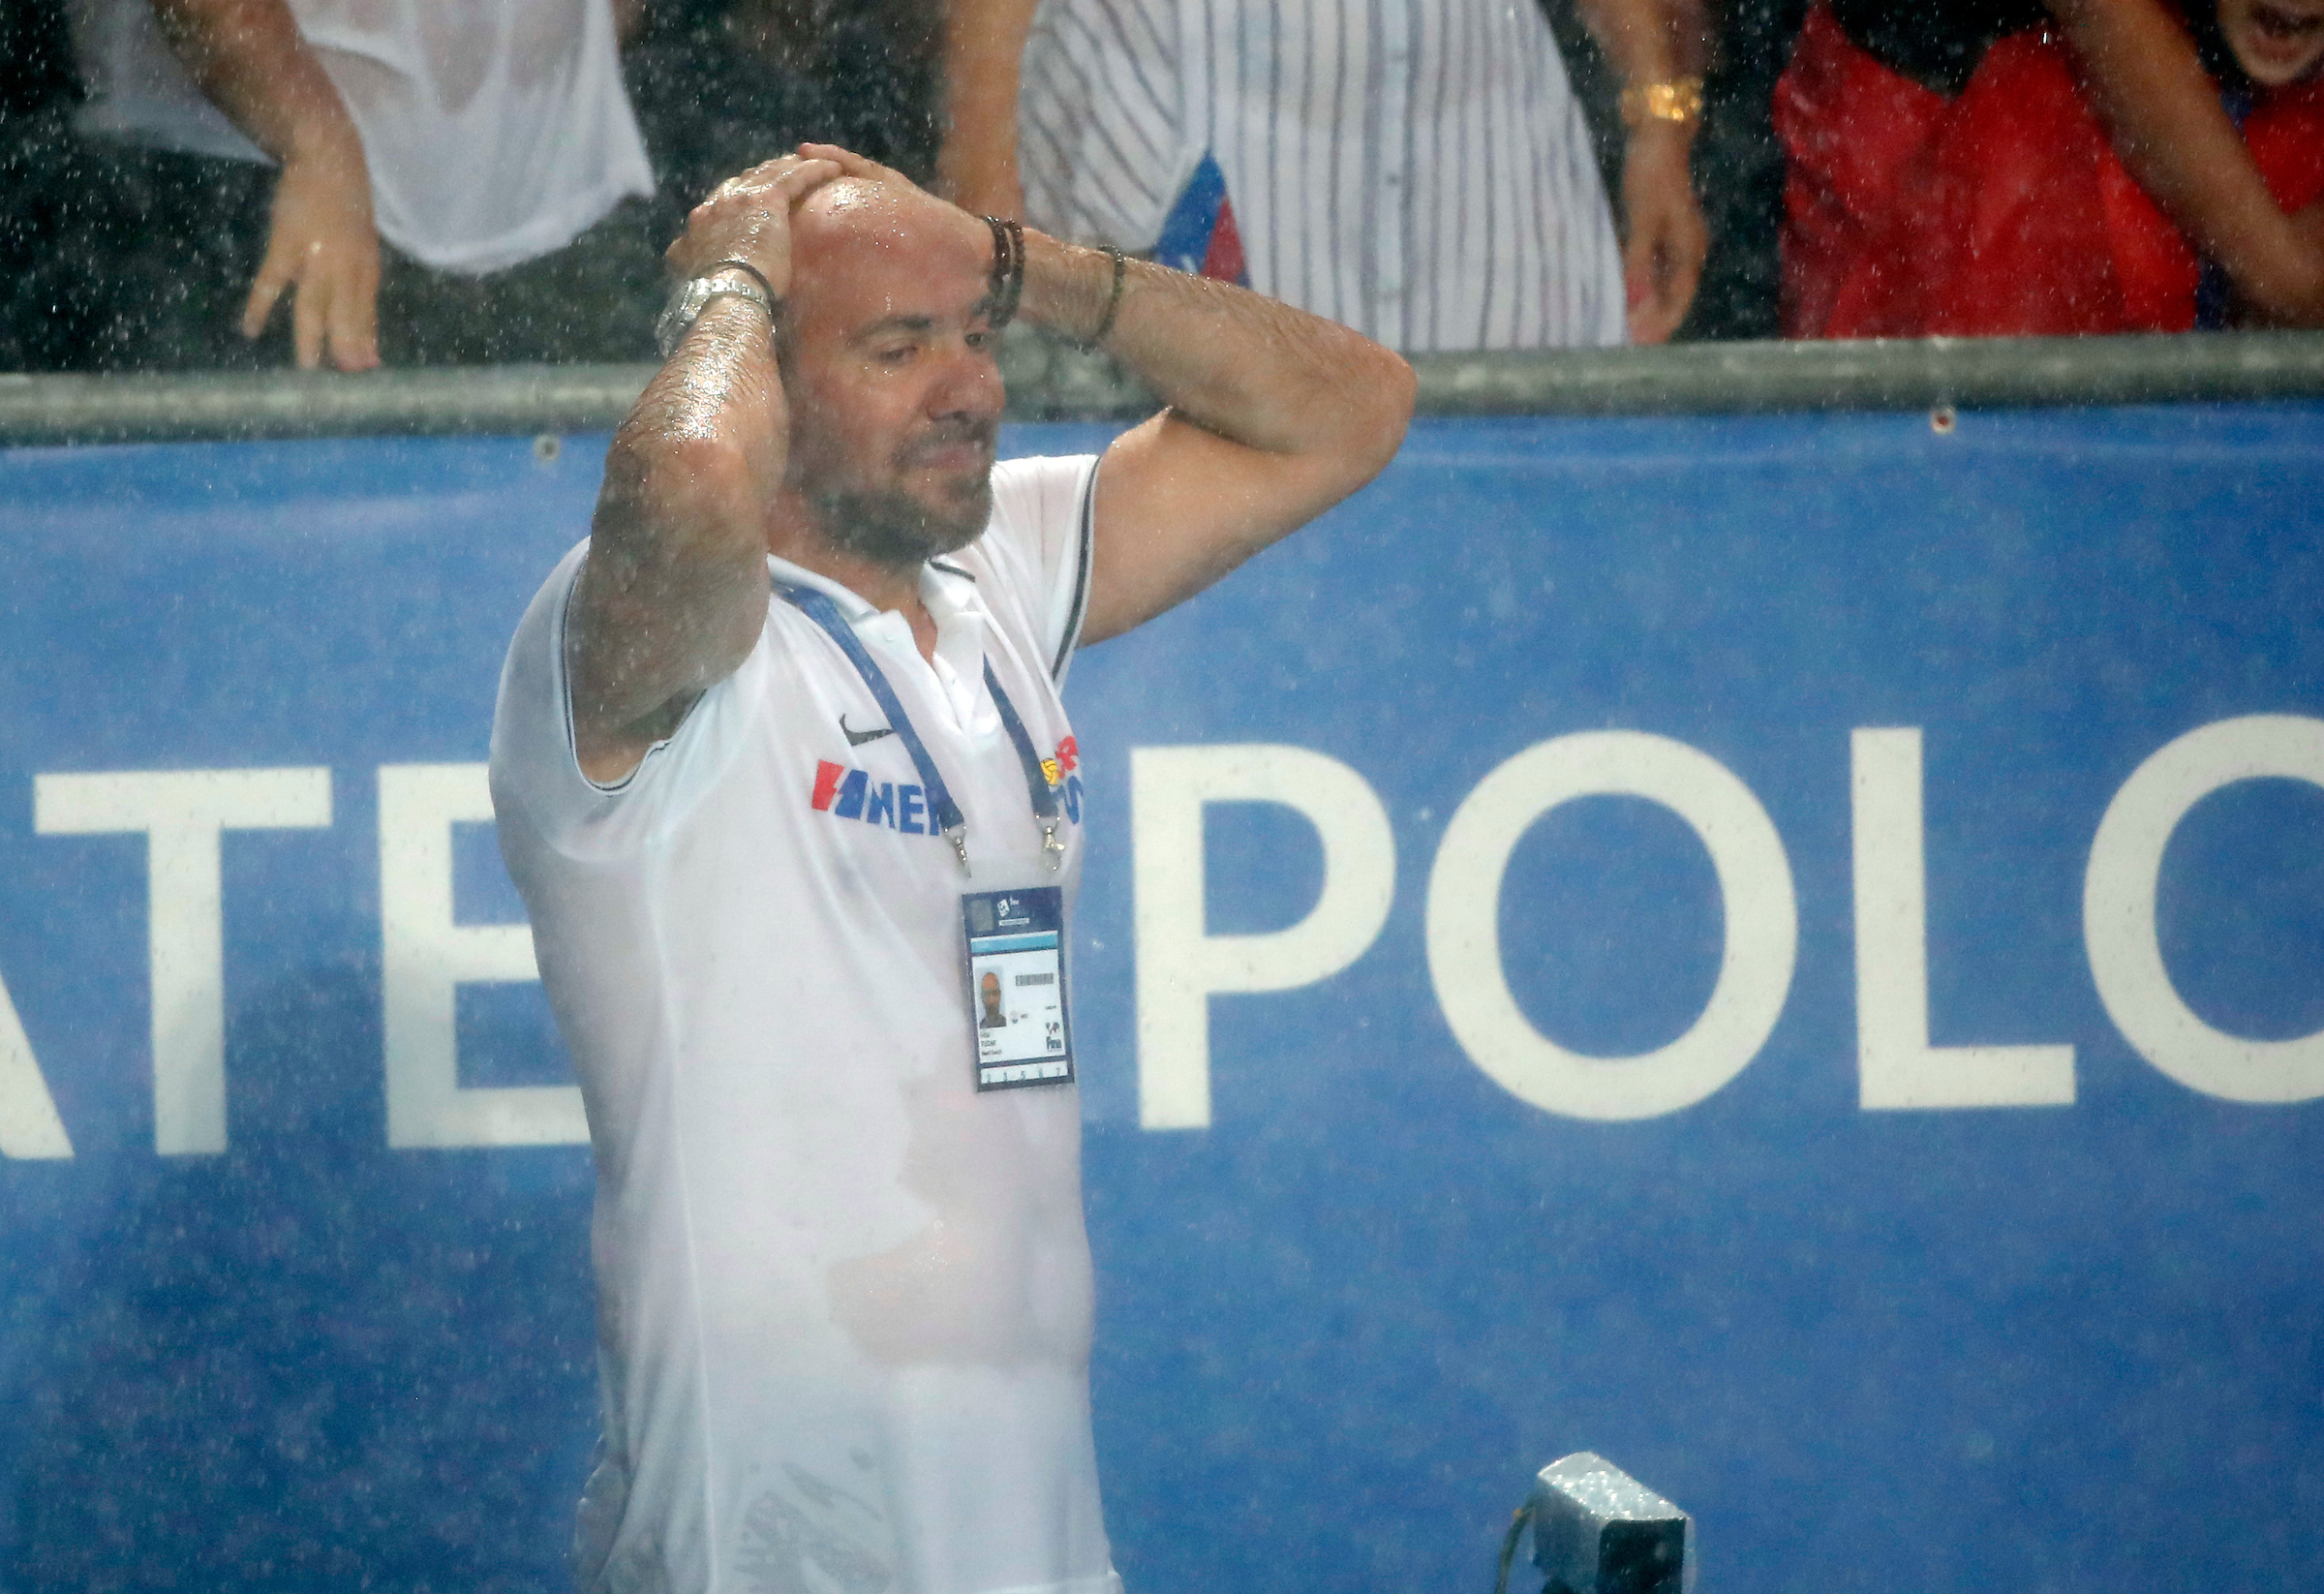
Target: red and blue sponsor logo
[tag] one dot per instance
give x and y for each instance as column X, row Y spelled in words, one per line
column 1063, row 770
column 901, row 806
column 846, row 793
column 1199, row 235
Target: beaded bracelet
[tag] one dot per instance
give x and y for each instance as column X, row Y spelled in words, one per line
column 1008, row 270
column 1105, row 323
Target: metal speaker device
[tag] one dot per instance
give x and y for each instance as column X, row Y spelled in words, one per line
column 1598, row 1530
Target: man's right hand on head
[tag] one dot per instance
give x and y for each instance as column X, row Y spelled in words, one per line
column 748, row 218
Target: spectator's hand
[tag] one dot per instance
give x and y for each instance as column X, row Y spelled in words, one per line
column 324, row 245
column 748, row 218
column 1662, row 261
column 2288, row 291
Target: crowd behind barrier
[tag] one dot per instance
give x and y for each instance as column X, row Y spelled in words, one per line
column 180, row 173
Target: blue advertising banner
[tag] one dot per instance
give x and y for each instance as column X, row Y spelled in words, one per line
column 1789, row 952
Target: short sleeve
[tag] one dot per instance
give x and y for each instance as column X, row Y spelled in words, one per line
column 1038, row 548
column 537, row 771
column 534, row 767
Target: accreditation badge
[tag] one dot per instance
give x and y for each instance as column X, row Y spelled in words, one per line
column 1016, row 986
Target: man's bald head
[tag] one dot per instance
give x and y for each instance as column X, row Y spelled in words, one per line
column 854, row 227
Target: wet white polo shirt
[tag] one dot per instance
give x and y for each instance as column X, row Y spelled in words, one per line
column 844, row 1299
column 494, row 131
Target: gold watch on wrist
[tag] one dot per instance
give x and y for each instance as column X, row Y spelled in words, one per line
column 1672, row 99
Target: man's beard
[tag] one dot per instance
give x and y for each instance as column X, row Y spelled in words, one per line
column 892, row 528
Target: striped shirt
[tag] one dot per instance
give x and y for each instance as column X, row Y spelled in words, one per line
column 1417, row 169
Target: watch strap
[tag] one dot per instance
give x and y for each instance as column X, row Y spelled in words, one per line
column 726, row 280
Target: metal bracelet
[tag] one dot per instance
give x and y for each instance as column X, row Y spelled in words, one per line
column 757, row 275
column 695, row 295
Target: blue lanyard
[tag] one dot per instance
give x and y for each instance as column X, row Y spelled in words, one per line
column 942, row 808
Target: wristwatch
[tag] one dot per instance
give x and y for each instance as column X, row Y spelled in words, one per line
column 1673, row 100
column 689, row 298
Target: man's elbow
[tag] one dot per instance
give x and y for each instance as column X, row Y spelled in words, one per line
column 1383, row 412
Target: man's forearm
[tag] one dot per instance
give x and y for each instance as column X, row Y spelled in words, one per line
column 248, row 58
column 674, row 594
column 675, row 591
column 1273, row 417
column 717, row 401
column 1246, row 367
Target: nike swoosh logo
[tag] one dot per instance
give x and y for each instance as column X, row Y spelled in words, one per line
column 857, row 738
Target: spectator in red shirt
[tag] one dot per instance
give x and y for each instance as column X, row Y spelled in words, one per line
column 2117, row 165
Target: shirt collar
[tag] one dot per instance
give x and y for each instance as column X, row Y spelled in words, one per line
column 853, row 609
column 946, row 590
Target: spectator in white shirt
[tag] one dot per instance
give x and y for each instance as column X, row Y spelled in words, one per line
column 472, row 137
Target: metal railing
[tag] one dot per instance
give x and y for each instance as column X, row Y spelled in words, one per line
column 1049, row 381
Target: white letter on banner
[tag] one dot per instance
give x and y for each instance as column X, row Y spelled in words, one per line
column 426, row 957
column 29, row 1128
column 2117, row 908
column 1464, row 928
column 1896, row 1066
column 181, row 813
column 1179, row 964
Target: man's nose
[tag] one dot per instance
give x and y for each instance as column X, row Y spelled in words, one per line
column 970, row 385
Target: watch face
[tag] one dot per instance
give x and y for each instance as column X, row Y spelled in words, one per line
column 688, row 297
column 686, row 303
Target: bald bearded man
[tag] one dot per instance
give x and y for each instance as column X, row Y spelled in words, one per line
column 782, row 772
